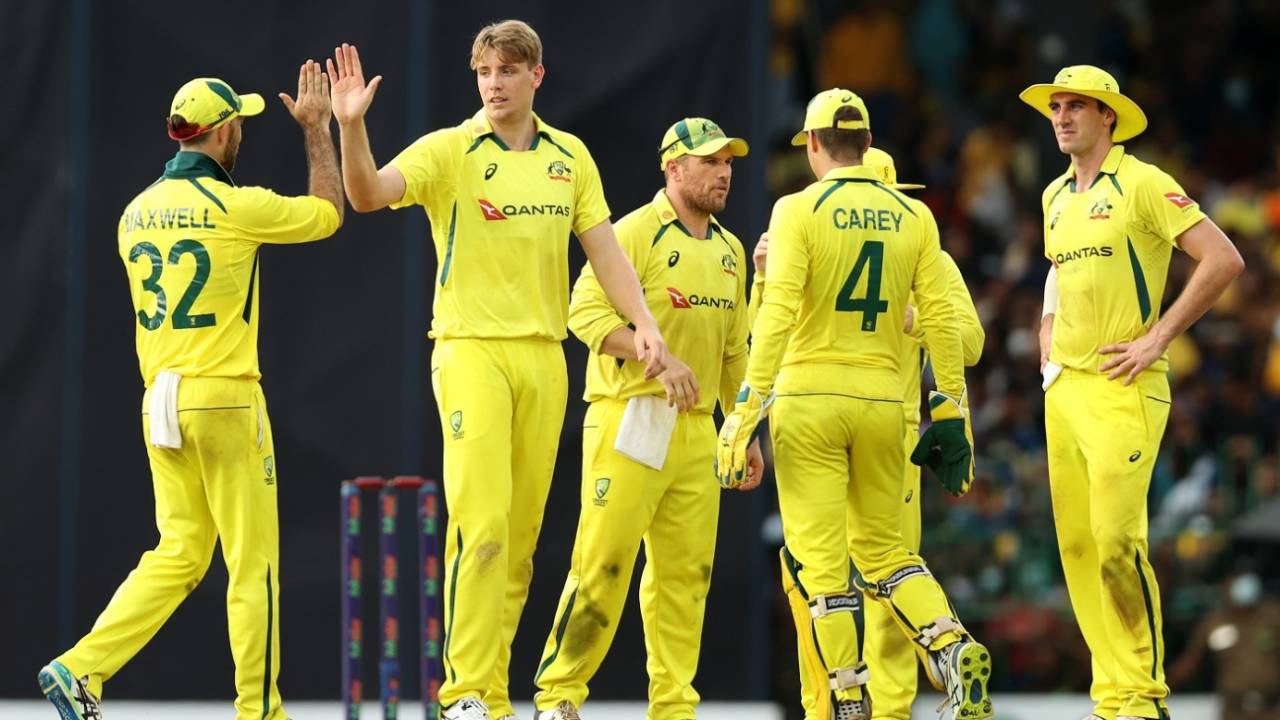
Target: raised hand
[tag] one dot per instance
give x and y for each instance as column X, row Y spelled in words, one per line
column 351, row 96
column 311, row 109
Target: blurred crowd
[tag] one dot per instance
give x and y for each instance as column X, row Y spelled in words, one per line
column 941, row 80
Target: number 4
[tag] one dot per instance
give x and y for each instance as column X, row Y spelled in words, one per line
column 870, row 305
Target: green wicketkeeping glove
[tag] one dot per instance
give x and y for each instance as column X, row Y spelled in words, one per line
column 947, row 446
column 739, row 430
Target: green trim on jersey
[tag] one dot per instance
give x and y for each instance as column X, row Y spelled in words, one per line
column 1140, row 283
column 186, row 164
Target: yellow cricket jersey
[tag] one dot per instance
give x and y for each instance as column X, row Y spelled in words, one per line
column 915, row 350
column 190, row 246
column 845, row 254
column 1112, row 244
column 501, row 222
column 696, row 289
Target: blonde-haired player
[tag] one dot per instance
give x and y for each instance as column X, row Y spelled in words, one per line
column 644, row 467
column 190, row 246
column 1111, row 223
column 845, row 255
column 890, row 657
column 502, row 190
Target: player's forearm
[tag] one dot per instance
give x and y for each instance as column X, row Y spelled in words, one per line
column 617, row 278
column 757, row 297
column 972, row 338
column 324, row 180
column 946, row 350
column 620, row 343
column 768, row 341
column 359, row 171
column 1208, row 281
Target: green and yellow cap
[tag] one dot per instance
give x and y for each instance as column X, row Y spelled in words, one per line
column 881, row 163
column 697, row 136
column 205, row 103
column 1091, row 82
column 821, row 113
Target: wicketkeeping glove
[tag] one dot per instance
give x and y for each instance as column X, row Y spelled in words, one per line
column 947, row 446
column 739, row 430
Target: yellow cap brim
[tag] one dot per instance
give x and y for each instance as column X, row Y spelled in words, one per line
column 737, row 146
column 251, row 104
column 906, row 186
column 801, row 138
column 1130, row 120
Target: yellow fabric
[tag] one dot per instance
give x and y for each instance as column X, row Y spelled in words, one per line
column 501, row 405
column 1112, row 244
column 674, row 511
column 190, row 247
column 815, row 697
column 500, row 221
column 1091, row 82
column 820, row 113
column 839, row 463
column 696, row 290
column 697, row 136
column 220, row 487
column 1103, row 439
column 811, row 316
column 206, row 103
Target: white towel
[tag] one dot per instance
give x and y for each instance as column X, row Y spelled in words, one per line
column 163, row 411
column 1050, row 373
column 645, row 431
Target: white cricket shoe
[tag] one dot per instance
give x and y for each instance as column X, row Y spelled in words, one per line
column 564, row 711
column 468, row 708
column 965, row 668
column 70, row 695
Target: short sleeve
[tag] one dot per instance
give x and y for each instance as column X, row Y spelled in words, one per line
column 1162, row 208
column 267, row 217
column 589, row 206
column 428, row 166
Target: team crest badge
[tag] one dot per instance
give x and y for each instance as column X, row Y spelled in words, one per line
column 1101, row 210
column 269, row 467
column 559, row 171
column 602, row 489
column 729, row 265
column 455, row 422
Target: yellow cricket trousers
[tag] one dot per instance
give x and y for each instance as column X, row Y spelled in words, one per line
column 675, row 512
column 839, row 462
column 501, row 405
column 889, row 653
column 1103, row 439
column 221, row 485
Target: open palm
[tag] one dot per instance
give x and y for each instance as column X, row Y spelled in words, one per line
column 350, row 95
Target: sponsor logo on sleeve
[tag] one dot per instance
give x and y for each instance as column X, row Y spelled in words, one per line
column 1182, row 201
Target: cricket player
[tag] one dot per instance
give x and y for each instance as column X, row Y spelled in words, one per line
column 846, row 254
column 502, row 191
column 1111, row 222
column 190, row 244
column 693, row 271
column 891, row 661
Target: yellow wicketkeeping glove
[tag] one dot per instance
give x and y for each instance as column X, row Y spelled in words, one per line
column 737, row 433
column 947, row 446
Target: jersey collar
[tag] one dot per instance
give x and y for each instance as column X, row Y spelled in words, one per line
column 666, row 213
column 479, row 128
column 187, row 164
column 851, row 172
column 1110, row 166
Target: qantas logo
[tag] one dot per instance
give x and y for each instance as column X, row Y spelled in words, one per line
column 679, row 301
column 1182, row 201
column 490, row 212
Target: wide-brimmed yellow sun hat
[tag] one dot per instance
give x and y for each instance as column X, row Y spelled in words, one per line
column 1091, row 82
column 881, row 163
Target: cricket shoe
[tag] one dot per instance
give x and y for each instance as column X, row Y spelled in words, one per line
column 68, row 694
column 852, row 709
column 468, row 708
column 564, row 711
column 965, row 668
